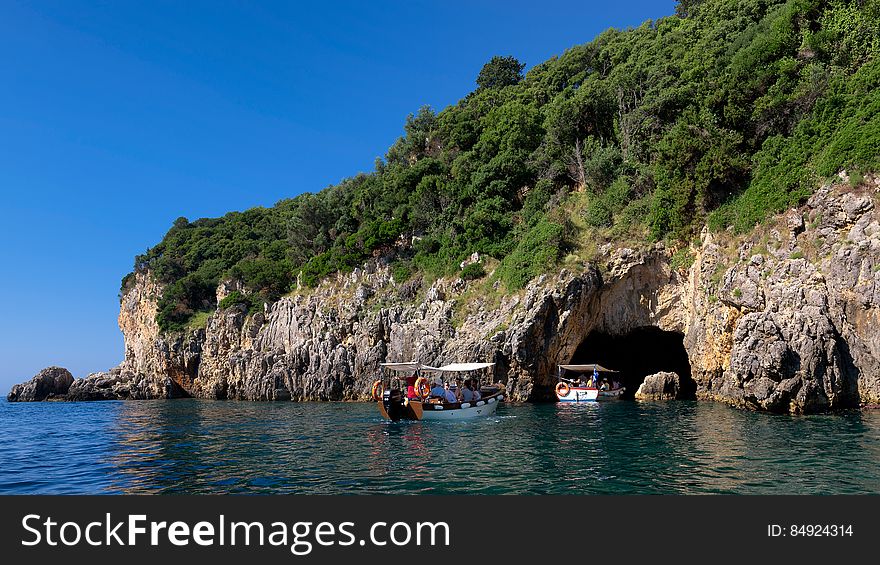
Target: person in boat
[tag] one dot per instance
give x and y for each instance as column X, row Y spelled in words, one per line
column 604, row 384
column 615, row 384
column 437, row 391
column 449, row 394
column 477, row 394
column 411, row 387
column 467, row 392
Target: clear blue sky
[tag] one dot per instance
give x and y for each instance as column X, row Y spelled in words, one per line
column 118, row 117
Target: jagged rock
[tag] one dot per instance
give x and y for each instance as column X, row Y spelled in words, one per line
column 362, row 293
column 660, row 386
column 741, row 286
column 435, row 294
column 50, row 383
column 786, row 319
column 811, row 341
column 622, row 260
column 119, row 384
column 474, row 258
column 100, row 386
column 409, row 289
column 227, row 287
column 795, row 222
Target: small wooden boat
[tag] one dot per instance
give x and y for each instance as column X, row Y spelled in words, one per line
column 409, row 398
column 583, row 389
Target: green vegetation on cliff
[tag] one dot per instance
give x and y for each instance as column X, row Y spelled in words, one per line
column 725, row 112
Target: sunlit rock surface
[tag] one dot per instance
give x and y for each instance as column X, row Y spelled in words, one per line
column 784, row 319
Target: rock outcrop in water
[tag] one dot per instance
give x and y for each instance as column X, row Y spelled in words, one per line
column 664, row 385
column 786, row 319
column 48, row 384
column 121, row 384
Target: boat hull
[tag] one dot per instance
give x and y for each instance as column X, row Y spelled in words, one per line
column 417, row 410
column 466, row 411
column 579, row 394
column 589, row 394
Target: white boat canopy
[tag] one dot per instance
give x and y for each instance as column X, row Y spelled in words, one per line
column 462, row 367
column 451, row 368
column 585, row 368
column 410, row 366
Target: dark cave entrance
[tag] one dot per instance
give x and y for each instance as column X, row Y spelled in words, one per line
column 637, row 354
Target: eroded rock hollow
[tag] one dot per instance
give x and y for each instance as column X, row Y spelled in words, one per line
column 638, row 353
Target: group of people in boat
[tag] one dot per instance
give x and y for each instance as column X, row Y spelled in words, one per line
column 448, row 392
column 593, row 382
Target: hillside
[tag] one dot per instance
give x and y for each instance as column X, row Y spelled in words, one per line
column 724, row 113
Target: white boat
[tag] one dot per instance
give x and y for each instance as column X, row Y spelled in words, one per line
column 577, row 394
column 462, row 411
column 583, row 389
column 414, row 402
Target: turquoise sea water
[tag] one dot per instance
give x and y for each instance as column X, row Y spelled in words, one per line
column 196, row 446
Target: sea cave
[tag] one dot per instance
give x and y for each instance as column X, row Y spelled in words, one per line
column 638, row 353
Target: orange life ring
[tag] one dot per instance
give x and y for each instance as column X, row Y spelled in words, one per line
column 562, row 389
column 423, row 389
column 378, row 390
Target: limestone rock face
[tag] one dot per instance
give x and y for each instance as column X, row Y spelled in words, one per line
column 119, row 384
column 792, row 326
column 664, row 385
column 785, row 319
column 150, row 356
column 50, row 383
column 328, row 344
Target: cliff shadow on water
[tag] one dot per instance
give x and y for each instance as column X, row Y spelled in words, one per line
column 638, row 353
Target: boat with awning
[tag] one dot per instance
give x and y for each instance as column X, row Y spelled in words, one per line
column 405, row 391
column 580, row 383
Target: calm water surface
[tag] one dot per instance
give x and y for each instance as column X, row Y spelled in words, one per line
column 197, row 446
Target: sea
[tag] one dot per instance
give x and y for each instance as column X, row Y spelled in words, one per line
column 619, row 447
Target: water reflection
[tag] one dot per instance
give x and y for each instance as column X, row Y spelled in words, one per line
column 191, row 446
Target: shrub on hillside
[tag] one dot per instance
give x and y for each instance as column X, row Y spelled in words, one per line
column 537, row 252
column 473, row 271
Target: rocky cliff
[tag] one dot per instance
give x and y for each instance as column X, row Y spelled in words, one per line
column 791, row 323
column 784, row 319
column 327, row 343
column 48, row 384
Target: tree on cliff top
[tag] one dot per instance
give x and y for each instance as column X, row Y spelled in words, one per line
column 500, row 72
column 726, row 115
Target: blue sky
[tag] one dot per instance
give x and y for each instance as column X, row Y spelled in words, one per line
column 118, row 117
